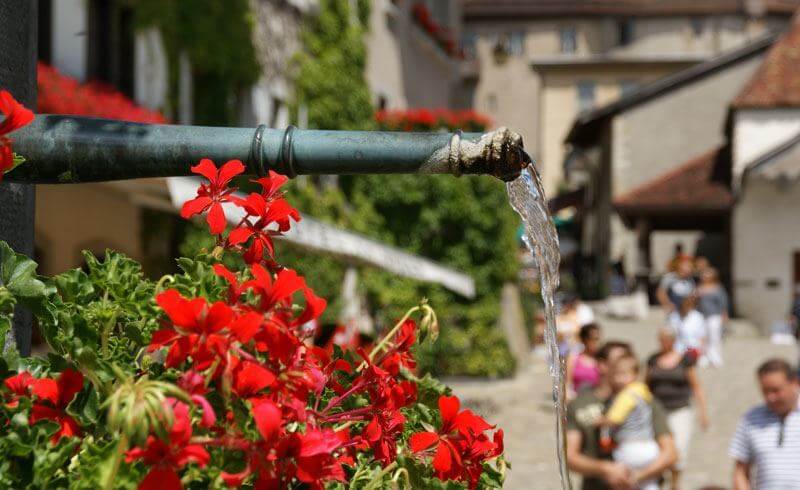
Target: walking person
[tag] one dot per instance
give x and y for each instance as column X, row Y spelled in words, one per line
column 672, row 378
column 712, row 303
column 585, row 455
column 582, row 369
column 690, row 329
column 676, row 286
column 767, row 439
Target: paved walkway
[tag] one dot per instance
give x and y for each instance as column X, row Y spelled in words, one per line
column 522, row 408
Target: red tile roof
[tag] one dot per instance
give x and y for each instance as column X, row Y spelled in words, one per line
column 512, row 8
column 777, row 81
column 696, row 185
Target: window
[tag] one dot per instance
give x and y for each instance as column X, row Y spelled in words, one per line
column 516, row 43
column 111, row 44
column 585, row 95
column 627, row 86
column 624, row 32
column 45, row 31
column 569, row 42
column 698, row 24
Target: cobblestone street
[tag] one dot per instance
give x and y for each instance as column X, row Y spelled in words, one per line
column 521, row 406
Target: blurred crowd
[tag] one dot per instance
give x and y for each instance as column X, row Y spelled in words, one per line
column 629, row 426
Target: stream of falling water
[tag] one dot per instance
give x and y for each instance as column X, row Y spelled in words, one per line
column 527, row 197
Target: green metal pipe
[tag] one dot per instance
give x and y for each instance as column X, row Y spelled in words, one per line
column 70, row 149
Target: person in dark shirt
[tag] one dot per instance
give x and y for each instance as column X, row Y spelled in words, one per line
column 584, row 453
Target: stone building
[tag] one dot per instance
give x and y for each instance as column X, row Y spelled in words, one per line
column 541, row 62
column 723, row 172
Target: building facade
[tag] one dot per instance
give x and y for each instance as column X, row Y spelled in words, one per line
column 542, row 62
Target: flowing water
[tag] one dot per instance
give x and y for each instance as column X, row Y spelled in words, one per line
column 527, row 198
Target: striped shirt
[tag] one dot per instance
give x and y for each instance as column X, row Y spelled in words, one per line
column 772, row 447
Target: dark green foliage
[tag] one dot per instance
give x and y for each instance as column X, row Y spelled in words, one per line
column 217, row 37
column 330, row 69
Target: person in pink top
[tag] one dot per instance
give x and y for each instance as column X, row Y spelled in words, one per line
column 582, row 369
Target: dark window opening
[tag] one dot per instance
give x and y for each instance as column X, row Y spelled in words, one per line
column 111, row 44
column 45, row 31
column 625, row 32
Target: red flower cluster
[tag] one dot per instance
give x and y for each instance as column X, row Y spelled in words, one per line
column 431, row 119
column 15, row 116
column 293, row 412
column 61, row 94
column 461, row 445
column 442, row 35
column 50, row 398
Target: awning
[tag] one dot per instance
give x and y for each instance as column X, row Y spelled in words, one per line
column 347, row 246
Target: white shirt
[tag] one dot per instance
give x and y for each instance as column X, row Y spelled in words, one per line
column 690, row 331
column 771, row 445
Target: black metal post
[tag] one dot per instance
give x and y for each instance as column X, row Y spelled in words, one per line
column 18, row 75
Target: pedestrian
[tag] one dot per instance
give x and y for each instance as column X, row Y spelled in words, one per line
column 584, row 453
column 676, row 286
column 627, row 425
column 712, row 303
column 582, row 369
column 673, row 380
column 572, row 315
column 690, row 329
column 767, row 439
column 678, row 256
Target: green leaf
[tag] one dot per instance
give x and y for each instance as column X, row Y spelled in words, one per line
column 18, row 275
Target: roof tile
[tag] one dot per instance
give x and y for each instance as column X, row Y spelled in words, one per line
column 694, row 185
column 777, row 82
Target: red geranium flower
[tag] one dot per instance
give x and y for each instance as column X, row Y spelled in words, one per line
column 16, row 116
column 266, row 212
column 166, row 457
column 459, row 445
column 195, row 331
column 53, row 396
column 211, row 196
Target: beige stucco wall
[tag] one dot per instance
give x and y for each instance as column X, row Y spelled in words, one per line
column 70, row 218
column 758, row 131
column 403, row 63
column 765, row 225
column 559, row 106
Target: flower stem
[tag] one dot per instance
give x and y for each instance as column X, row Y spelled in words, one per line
column 385, row 340
column 377, row 479
column 122, row 446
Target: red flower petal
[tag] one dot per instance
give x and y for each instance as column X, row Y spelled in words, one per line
column 16, row 115
column 193, row 453
column 252, row 378
column 162, row 337
column 195, row 206
column 228, row 171
column 216, row 219
column 161, row 478
column 314, row 307
column 20, row 383
column 209, row 416
column 46, row 389
column 246, row 326
column 443, row 459
column 207, row 169
column 181, row 311
column 268, row 418
column 239, row 235
column 448, row 407
column 372, row 432
column 70, row 382
column 218, row 317
column 422, row 441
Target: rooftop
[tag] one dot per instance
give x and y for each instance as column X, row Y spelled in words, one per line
column 500, row 9
column 777, row 81
column 698, row 185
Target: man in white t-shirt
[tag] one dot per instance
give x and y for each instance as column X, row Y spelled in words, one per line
column 768, row 436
